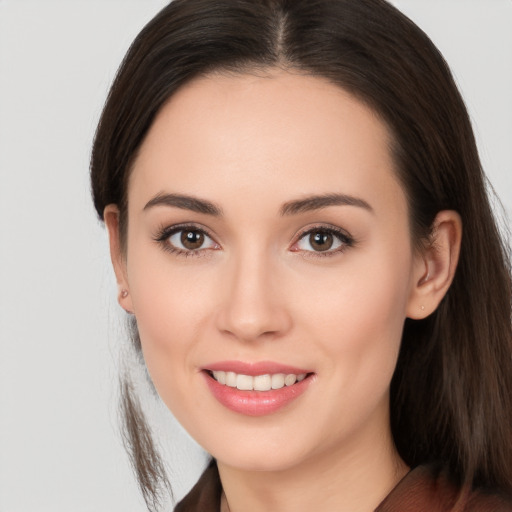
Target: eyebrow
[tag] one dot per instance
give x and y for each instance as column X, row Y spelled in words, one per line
column 323, row 201
column 295, row 207
column 186, row 203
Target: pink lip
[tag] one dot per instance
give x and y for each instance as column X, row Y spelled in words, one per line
column 255, row 403
column 253, row 369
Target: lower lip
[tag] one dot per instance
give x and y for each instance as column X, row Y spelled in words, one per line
column 256, row 403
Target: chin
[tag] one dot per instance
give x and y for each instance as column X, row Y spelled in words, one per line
column 259, row 463
column 260, row 456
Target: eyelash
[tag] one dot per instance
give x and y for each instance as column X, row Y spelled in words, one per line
column 342, row 236
column 165, row 233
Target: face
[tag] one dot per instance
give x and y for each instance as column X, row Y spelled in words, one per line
column 268, row 250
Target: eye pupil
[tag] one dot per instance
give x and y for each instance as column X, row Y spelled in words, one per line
column 192, row 239
column 321, row 240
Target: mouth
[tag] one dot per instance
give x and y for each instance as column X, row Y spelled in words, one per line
column 256, row 389
column 265, row 382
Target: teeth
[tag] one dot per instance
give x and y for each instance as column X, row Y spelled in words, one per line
column 259, row 382
column 262, row 383
column 290, row 379
column 278, row 381
column 244, row 382
column 231, row 379
column 220, row 377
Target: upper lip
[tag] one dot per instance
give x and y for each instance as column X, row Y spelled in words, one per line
column 253, row 369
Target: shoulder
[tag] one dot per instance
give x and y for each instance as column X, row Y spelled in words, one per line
column 428, row 488
column 483, row 501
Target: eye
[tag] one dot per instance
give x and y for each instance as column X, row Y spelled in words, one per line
column 323, row 240
column 185, row 240
column 190, row 240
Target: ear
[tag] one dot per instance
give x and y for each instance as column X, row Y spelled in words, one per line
column 436, row 265
column 111, row 217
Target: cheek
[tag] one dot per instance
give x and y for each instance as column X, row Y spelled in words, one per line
column 357, row 318
column 354, row 328
column 170, row 305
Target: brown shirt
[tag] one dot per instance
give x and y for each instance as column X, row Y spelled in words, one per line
column 423, row 489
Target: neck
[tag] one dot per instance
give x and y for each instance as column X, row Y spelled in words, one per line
column 349, row 479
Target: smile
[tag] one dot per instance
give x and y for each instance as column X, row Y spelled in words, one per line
column 257, row 383
column 256, row 389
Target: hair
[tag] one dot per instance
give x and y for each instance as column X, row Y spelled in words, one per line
column 451, row 393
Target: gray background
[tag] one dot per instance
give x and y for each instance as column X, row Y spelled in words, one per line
column 60, row 328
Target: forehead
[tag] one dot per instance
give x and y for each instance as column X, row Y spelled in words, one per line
column 268, row 133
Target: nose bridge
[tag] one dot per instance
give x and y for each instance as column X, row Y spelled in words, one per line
column 252, row 304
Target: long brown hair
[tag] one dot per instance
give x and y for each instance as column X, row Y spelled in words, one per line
column 451, row 394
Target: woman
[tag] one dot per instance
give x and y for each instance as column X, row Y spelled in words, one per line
column 299, row 226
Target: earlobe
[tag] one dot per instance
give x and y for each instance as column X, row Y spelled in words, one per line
column 436, row 266
column 111, row 217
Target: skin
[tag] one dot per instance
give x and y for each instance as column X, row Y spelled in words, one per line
column 258, row 291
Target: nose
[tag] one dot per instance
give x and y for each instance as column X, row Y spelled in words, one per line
column 254, row 304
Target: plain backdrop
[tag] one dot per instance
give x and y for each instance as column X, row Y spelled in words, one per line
column 60, row 328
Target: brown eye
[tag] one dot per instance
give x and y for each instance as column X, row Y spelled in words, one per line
column 321, row 240
column 186, row 240
column 192, row 240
